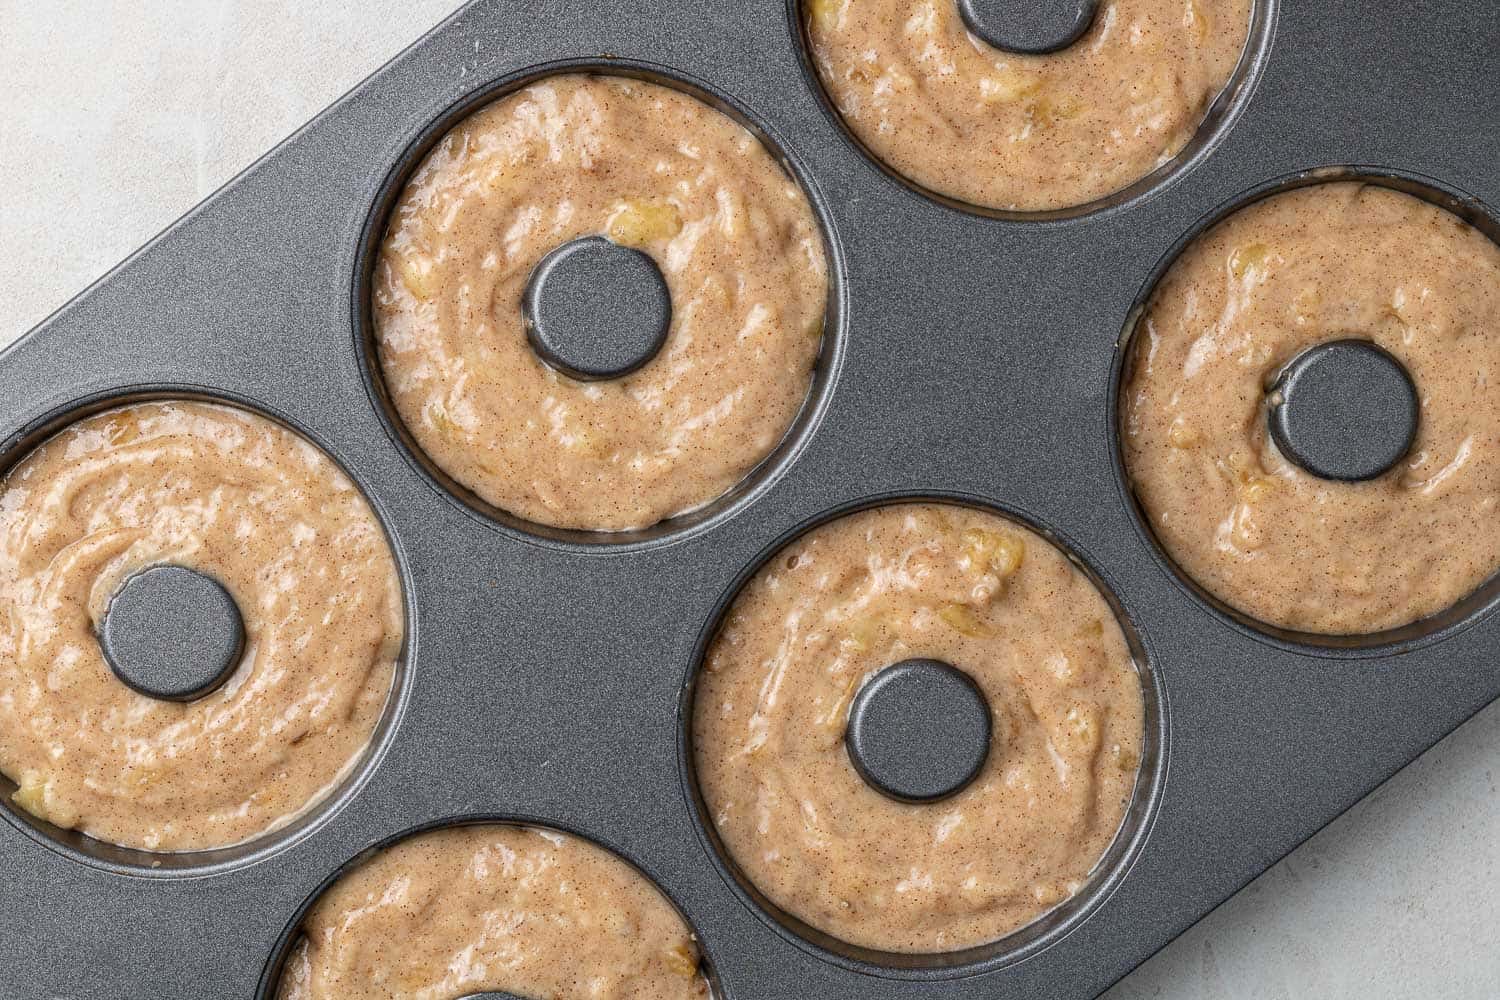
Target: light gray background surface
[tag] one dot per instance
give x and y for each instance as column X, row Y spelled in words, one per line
column 120, row 115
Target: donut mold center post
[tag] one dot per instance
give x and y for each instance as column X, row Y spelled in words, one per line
column 596, row 310
column 1032, row 27
column 1344, row 410
column 172, row 633
column 919, row 731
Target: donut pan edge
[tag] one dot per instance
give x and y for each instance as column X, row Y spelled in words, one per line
column 967, row 356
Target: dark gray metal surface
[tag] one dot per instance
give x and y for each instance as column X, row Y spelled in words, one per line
column 1029, row 25
column 172, row 633
column 1345, row 409
column 596, row 310
column 968, row 354
column 919, row 730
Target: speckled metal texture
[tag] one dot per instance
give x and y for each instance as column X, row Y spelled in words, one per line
column 919, row 730
column 1345, row 409
column 172, row 633
column 969, row 356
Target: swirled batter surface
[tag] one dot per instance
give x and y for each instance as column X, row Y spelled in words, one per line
column 1282, row 545
column 249, row 503
column 1025, row 132
column 467, row 909
column 651, row 168
column 863, row 592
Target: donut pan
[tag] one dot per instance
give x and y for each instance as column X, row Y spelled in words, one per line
column 968, row 356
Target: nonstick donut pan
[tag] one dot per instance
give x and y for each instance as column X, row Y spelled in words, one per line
column 968, row 357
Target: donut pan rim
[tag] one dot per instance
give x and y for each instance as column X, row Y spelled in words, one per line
column 973, row 357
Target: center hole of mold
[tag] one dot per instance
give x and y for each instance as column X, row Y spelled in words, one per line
column 1029, row 26
column 596, row 310
column 919, row 731
column 172, row 633
column 1344, row 410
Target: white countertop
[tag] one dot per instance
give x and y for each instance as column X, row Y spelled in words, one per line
column 119, row 116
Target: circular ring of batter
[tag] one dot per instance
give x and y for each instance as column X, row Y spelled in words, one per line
column 343, row 783
column 712, row 509
column 1013, row 83
column 1024, row 940
column 687, row 958
column 1442, row 622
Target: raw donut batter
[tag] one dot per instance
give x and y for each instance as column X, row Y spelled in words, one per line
column 1321, row 263
column 651, row 168
column 1025, row 132
column 469, row 909
column 955, row 584
column 237, row 498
